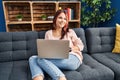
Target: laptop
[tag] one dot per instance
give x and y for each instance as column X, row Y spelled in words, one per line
column 53, row 49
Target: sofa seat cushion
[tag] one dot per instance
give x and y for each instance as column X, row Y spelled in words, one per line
column 93, row 70
column 15, row 70
column 71, row 75
column 110, row 60
column 89, row 70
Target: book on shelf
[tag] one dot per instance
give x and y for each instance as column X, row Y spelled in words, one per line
column 70, row 12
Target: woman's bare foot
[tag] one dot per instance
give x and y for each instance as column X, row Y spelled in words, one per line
column 40, row 77
column 62, row 78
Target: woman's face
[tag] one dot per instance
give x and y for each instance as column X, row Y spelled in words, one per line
column 61, row 20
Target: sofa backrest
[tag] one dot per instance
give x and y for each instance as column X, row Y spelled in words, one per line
column 79, row 31
column 21, row 45
column 17, row 45
column 100, row 40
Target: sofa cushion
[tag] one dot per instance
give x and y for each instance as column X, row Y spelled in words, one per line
column 93, row 70
column 89, row 70
column 100, row 43
column 17, row 45
column 15, row 70
column 116, row 48
column 111, row 60
column 100, row 40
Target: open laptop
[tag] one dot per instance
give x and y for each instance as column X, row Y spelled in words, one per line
column 55, row 49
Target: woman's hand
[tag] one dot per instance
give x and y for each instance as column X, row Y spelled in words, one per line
column 75, row 48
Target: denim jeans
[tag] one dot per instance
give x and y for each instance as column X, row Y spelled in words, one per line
column 52, row 66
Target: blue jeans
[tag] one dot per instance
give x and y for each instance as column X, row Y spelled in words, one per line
column 52, row 66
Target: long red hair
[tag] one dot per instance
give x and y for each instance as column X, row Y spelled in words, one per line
column 65, row 29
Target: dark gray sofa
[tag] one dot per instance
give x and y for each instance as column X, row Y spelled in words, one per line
column 17, row 47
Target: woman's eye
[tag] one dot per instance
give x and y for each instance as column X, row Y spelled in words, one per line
column 60, row 17
column 65, row 19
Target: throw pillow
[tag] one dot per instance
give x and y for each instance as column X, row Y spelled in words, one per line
column 116, row 48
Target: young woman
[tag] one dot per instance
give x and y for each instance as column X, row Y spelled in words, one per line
column 59, row 31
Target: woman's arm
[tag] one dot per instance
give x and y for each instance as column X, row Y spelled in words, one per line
column 77, row 42
column 47, row 35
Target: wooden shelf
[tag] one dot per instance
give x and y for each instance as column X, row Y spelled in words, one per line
column 19, row 22
column 43, row 21
column 31, row 12
column 19, row 27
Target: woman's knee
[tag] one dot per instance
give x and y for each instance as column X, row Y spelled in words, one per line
column 33, row 58
column 73, row 66
column 41, row 61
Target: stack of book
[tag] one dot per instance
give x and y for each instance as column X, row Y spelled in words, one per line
column 70, row 12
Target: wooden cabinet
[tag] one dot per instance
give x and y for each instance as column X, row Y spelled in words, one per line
column 31, row 12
